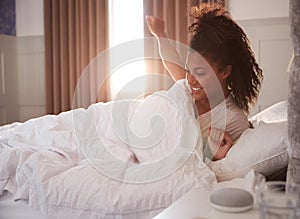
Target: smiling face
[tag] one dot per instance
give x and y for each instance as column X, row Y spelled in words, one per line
column 205, row 80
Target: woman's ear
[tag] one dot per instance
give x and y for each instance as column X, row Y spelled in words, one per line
column 227, row 71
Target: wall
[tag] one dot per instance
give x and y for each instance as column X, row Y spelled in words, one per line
column 258, row 9
column 22, row 80
column 266, row 24
column 29, row 18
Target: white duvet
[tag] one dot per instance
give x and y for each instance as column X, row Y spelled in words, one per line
column 82, row 163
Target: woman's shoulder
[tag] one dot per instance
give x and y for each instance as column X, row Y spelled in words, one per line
column 232, row 107
column 237, row 119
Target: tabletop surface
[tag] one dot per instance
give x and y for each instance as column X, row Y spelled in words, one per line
column 195, row 205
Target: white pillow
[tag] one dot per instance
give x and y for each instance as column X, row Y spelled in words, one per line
column 263, row 148
column 275, row 113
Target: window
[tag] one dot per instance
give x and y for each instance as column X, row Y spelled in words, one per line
column 126, row 24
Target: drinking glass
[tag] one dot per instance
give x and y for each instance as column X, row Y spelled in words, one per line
column 278, row 200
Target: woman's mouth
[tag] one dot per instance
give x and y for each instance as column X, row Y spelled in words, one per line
column 196, row 89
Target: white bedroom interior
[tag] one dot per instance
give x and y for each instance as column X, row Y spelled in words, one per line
column 23, row 96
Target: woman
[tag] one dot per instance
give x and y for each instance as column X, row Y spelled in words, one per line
column 225, row 60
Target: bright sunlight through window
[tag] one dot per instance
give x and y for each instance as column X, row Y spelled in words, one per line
column 126, row 24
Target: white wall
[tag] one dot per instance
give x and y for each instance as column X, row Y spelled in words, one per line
column 22, row 73
column 258, row 9
column 266, row 23
column 29, row 17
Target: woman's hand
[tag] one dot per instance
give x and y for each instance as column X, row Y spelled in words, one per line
column 156, row 26
column 219, row 143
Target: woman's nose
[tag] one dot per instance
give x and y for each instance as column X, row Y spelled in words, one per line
column 191, row 79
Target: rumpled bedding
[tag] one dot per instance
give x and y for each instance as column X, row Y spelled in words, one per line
column 78, row 164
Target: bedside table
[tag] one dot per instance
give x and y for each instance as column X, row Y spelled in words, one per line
column 195, row 205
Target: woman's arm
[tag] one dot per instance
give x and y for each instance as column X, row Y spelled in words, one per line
column 168, row 53
column 219, row 142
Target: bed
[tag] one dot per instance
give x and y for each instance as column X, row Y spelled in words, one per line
column 56, row 167
column 31, row 185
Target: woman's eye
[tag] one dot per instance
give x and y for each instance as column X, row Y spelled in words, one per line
column 199, row 74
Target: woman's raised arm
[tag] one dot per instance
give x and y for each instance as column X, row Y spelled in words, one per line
column 167, row 51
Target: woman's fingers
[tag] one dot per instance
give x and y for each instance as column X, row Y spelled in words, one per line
column 216, row 136
column 156, row 25
column 222, row 151
column 227, row 139
column 219, row 142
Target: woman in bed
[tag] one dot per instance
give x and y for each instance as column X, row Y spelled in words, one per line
column 225, row 57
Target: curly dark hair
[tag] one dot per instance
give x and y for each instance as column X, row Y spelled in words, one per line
column 220, row 39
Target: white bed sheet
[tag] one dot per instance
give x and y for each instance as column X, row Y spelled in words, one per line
column 40, row 162
column 10, row 209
